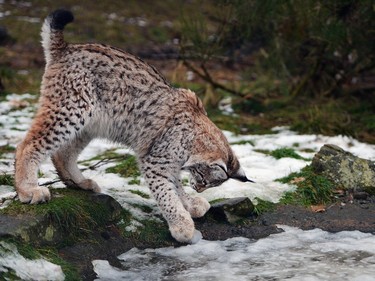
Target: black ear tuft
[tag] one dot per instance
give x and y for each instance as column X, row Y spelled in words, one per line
column 60, row 18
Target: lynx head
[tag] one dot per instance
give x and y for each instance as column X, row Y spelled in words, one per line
column 215, row 164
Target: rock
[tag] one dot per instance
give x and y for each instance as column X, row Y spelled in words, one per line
column 344, row 169
column 232, row 210
column 44, row 230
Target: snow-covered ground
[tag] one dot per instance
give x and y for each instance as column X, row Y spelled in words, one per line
column 294, row 254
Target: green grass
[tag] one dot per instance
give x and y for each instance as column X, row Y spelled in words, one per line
column 140, row 193
column 6, row 149
column 126, row 168
column 285, row 153
column 134, row 181
column 6, row 179
column 263, row 206
column 243, row 142
column 50, row 254
column 312, row 189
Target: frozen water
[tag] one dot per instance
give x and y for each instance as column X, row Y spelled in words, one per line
column 293, row 255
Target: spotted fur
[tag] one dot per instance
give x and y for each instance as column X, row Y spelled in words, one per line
column 97, row 91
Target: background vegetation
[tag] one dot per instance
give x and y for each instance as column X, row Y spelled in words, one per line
column 308, row 64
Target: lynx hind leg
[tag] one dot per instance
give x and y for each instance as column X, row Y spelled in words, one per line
column 27, row 163
column 196, row 206
column 37, row 145
column 47, row 134
column 65, row 161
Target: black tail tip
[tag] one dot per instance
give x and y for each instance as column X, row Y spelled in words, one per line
column 60, row 18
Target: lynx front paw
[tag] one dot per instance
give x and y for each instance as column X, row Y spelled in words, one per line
column 198, row 207
column 89, row 184
column 35, row 195
column 183, row 230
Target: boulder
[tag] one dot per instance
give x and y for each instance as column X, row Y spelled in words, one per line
column 49, row 229
column 345, row 170
column 232, row 210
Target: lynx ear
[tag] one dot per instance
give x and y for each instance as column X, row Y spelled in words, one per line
column 194, row 100
column 240, row 175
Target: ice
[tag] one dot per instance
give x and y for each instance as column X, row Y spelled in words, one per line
column 294, row 255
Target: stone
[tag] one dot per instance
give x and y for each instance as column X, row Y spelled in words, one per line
column 232, row 210
column 345, row 170
column 41, row 230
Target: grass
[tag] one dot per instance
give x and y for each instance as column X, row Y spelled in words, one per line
column 32, row 253
column 312, row 189
column 6, row 149
column 126, row 168
column 140, row 193
column 6, row 179
column 263, row 206
column 285, row 153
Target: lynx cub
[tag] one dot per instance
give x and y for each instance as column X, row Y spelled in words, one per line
column 96, row 91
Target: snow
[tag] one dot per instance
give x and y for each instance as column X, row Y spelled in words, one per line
column 294, row 254
column 26, row 269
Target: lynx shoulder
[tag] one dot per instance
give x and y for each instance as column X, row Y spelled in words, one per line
column 96, row 91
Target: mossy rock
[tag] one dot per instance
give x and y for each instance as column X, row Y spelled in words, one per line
column 344, row 169
column 70, row 214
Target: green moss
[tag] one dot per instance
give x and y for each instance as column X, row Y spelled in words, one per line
column 126, row 168
column 69, row 211
column 312, row 189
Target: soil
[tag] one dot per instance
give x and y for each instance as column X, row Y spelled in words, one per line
column 356, row 214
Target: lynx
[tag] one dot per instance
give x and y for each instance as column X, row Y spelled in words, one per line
column 97, row 91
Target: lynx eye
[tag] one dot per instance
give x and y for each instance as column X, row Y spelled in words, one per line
column 221, row 166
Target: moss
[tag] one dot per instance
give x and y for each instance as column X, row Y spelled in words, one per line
column 126, row 168
column 69, row 211
column 312, row 189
